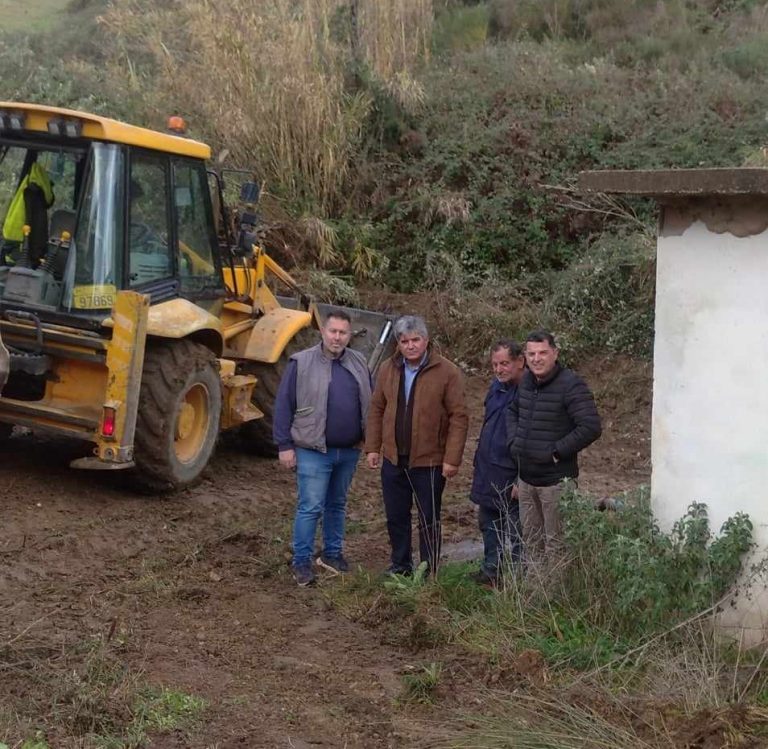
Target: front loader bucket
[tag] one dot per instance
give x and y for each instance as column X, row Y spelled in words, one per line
column 371, row 331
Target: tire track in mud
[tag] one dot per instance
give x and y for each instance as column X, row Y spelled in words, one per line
column 195, row 593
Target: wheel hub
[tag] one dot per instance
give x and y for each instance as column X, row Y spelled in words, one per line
column 192, row 423
column 185, row 422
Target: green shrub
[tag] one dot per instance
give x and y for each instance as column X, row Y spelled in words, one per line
column 460, row 28
column 749, row 59
column 604, row 300
column 635, row 580
column 621, row 582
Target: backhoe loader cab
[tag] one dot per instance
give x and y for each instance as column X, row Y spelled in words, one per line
column 136, row 316
column 83, row 219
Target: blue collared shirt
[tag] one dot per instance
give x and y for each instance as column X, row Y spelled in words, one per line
column 410, row 372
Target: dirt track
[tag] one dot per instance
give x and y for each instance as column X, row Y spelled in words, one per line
column 194, row 592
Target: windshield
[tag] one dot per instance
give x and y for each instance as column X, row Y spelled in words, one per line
column 61, row 218
column 95, row 259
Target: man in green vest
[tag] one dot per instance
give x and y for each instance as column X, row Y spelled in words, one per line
column 29, row 207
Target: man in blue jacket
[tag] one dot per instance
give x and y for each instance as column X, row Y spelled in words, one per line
column 319, row 419
column 553, row 418
column 493, row 482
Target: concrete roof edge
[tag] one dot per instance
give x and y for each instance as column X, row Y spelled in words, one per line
column 659, row 183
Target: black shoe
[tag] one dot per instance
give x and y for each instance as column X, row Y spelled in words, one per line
column 303, row 574
column 335, row 565
column 483, row 577
column 393, row 569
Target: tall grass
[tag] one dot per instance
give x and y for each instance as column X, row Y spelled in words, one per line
column 612, row 645
column 395, row 35
column 271, row 82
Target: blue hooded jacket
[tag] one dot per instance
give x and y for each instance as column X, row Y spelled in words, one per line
column 495, row 470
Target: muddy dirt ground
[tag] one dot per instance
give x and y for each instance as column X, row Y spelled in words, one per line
column 193, row 592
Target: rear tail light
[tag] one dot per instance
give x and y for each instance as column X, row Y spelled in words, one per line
column 108, row 422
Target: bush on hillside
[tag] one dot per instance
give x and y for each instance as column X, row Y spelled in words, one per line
column 461, row 27
column 606, row 22
column 604, row 300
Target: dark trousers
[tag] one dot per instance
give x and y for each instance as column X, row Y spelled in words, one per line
column 401, row 486
column 502, row 532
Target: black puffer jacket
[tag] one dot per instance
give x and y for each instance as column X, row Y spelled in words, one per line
column 553, row 418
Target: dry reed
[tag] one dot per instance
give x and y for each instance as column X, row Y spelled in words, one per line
column 270, row 80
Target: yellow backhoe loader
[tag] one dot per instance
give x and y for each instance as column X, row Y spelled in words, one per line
column 138, row 309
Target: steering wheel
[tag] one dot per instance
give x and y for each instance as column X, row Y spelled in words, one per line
column 144, row 237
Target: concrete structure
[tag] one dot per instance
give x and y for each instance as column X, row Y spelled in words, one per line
column 710, row 389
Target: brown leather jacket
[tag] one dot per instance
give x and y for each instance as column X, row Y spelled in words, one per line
column 439, row 422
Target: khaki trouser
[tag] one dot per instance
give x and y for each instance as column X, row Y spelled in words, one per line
column 540, row 518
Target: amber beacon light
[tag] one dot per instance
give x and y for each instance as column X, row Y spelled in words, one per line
column 176, row 124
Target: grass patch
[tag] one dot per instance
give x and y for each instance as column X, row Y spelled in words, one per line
column 157, row 710
column 31, row 15
column 88, row 695
column 420, row 684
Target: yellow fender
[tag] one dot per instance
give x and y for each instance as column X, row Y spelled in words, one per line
column 180, row 318
column 273, row 332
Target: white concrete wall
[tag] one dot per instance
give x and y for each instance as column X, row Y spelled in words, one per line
column 710, row 394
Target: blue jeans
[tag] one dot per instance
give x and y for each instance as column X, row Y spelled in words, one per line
column 323, row 480
column 502, row 536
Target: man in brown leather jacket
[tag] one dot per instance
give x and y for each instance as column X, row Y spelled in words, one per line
column 416, row 430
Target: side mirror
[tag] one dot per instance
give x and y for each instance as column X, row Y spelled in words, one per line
column 249, row 192
column 245, row 244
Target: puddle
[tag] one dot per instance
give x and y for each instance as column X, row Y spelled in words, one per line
column 462, row 551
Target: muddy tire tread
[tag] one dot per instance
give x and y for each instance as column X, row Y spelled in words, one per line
column 167, row 367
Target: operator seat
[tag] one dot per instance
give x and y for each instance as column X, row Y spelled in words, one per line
column 62, row 220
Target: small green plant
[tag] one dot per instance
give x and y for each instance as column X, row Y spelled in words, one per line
column 420, row 685
column 38, row 742
column 405, row 589
column 164, row 709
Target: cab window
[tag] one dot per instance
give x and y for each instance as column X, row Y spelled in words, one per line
column 38, row 188
column 195, row 233
column 94, row 262
column 148, row 226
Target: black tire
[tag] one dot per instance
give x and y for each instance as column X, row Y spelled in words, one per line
column 179, row 415
column 5, row 431
column 256, row 435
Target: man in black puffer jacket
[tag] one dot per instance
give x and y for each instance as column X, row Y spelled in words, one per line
column 553, row 418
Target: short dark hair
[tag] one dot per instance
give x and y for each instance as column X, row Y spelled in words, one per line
column 339, row 314
column 513, row 347
column 541, row 336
